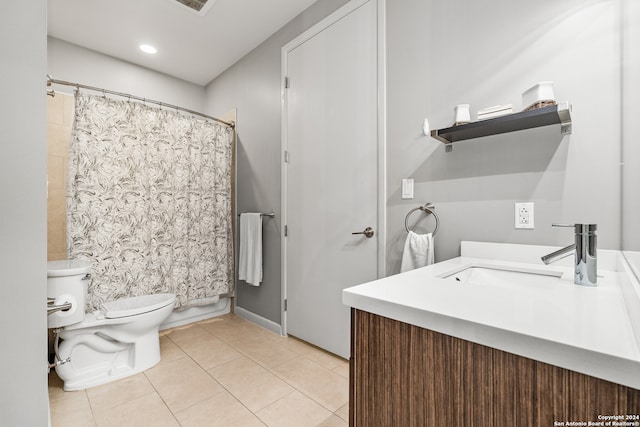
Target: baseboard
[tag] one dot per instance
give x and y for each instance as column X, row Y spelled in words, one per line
column 259, row 320
column 197, row 313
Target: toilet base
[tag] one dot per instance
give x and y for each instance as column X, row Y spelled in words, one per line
column 98, row 359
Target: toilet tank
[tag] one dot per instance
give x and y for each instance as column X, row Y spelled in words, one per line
column 67, row 281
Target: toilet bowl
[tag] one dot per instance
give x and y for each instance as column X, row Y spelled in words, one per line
column 118, row 340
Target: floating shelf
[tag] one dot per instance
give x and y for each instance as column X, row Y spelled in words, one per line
column 551, row 115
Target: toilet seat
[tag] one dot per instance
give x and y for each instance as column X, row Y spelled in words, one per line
column 135, row 305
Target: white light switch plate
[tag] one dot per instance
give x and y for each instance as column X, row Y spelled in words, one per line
column 407, row 188
column 524, row 215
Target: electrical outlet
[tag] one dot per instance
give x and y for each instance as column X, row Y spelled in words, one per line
column 524, row 215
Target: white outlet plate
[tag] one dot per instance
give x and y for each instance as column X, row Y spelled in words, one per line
column 524, row 215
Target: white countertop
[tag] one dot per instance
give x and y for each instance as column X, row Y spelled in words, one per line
column 585, row 329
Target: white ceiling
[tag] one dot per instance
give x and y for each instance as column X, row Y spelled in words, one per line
column 191, row 47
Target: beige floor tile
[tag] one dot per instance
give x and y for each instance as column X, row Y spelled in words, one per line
column 324, row 358
column 249, row 337
column 296, row 345
column 295, row 410
column 333, row 421
column 229, row 317
column 221, row 410
column 259, row 370
column 72, row 410
column 263, row 350
column 321, row 357
column 149, row 410
column 226, row 319
column 342, row 370
column 250, row 383
column 324, row 386
column 187, row 334
column 268, row 336
column 343, row 412
column 231, row 329
column 182, row 383
column 210, row 351
column 56, row 390
column 105, row 397
column 169, row 350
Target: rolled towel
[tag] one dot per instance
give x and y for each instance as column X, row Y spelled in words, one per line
column 418, row 251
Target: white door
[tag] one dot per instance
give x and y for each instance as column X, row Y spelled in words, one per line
column 330, row 178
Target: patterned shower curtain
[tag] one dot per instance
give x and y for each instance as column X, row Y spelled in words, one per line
column 149, row 202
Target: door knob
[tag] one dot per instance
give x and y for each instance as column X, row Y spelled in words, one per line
column 368, row 232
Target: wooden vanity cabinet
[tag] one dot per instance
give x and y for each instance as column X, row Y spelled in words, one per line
column 403, row 375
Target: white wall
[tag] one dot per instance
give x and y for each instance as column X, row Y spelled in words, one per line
column 485, row 53
column 252, row 86
column 631, row 129
column 23, row 234
column 76, row 64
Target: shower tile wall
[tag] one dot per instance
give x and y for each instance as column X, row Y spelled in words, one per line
column 59, row 122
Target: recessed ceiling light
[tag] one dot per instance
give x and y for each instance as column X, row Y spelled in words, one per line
column 148, row 49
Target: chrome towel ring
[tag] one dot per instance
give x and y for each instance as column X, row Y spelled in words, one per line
column 428, row 208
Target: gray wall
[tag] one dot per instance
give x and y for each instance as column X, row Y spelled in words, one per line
column 440, row 54
column 252, row 86
column 485, row 53
column 23, row 234
column 73, row 63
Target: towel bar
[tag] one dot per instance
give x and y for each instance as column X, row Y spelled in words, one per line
column 270, row 214
column 428, row 208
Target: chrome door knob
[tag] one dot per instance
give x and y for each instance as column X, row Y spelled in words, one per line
column 368, row 232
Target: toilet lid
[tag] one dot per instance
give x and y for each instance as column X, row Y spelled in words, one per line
column 136, row 305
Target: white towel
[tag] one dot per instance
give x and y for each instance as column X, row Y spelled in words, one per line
column 418, row 251
column 250, row 263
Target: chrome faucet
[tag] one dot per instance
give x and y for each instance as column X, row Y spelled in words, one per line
column 586, row 256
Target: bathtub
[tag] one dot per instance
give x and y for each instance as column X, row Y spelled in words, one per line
column 198, row 313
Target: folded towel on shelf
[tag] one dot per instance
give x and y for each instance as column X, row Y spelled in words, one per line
column 250, row 262
column 418, row 251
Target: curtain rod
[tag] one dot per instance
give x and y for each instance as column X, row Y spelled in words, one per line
column 51, row 81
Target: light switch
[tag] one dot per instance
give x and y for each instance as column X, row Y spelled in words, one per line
column 407, row 188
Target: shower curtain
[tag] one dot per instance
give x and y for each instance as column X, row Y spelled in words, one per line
column 149, row 202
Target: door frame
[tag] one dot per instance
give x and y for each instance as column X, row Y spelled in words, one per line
column 381, row 135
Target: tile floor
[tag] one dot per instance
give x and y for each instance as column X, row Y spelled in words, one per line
column 224, row 371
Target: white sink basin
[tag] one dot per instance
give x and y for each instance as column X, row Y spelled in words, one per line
column 502, row 296
column 499, row 275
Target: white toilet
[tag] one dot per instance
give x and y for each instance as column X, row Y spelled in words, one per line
column 119, row 340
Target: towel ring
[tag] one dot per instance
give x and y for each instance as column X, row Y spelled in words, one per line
column 428, row 209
